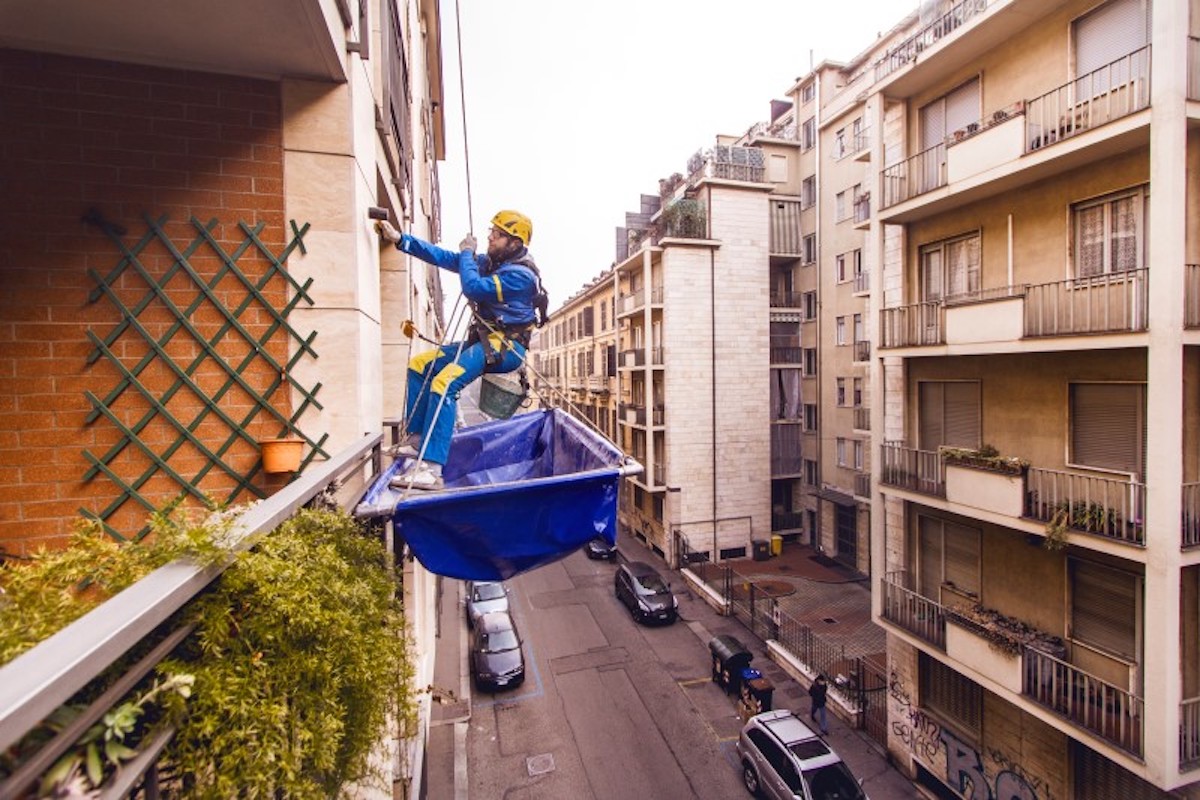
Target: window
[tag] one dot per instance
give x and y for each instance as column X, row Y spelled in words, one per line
column 839, row 143
column 785, row 394
column 808, row 92
column 809, row 305
column 840, row 327
column 1108, row 426
column 808, row 191
column 860, row 334
column 857, row 397
column 841, row 392
column 839, row 207
column 950, row 268
column 810, row 416
column 841, row 452
column 840, row 267
column 810, row 248
column 603, row 315
column 1109, row 32
column 947, row 553
column 1109, row 234
column 953, row 697
column 812, row 476
column 808, row 134
column 859, row 449
column 949, row 414
column 810, row 361
column 1105, row 608
column 777, row 168
column 949, row 113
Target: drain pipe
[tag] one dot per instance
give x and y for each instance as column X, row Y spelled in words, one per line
column 712, row 338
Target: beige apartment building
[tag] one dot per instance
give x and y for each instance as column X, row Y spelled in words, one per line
column 1033, row 380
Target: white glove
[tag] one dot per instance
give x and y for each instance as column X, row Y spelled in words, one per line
column 468, row 243
column 385, row 229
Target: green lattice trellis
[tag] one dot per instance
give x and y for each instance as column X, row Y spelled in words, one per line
column 163, row 342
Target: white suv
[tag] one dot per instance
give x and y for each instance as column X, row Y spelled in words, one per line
column 782, row 758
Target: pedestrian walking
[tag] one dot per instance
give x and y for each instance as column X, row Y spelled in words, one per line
column 818, row 692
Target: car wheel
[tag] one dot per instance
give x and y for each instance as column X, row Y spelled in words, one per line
column 750, row 778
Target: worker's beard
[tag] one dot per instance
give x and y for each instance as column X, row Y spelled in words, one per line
column 499, row 252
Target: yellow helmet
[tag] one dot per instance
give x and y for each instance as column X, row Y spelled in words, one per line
column 514, row 223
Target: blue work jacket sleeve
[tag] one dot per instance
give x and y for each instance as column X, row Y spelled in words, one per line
column 499, row 289
column 429, row 253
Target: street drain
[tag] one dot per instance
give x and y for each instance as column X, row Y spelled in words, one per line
column 540, row 765
column 829, row 621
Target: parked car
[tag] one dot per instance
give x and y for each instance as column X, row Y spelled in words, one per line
column 599, row 549
column 485, row 596
column 643, row 591
column 497, row 661
column 782, row 758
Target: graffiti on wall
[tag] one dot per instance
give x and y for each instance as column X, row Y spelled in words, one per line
column 956, row 762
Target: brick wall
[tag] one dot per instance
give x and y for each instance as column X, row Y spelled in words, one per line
column 125, row 140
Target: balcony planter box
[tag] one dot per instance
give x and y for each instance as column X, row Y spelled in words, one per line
column 966, row 644
column 282, row 454
column 989, row 484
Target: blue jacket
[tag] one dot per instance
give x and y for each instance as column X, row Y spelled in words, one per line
column 502, row 294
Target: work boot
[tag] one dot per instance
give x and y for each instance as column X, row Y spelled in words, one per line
column 424, row 475
column 408, row 447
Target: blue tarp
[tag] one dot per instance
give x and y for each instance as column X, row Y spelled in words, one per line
column 520, row 493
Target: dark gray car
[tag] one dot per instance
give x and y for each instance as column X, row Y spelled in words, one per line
column 783, row 759
column 497, row 661
column 643, row 591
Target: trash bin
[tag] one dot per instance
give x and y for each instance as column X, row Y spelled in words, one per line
column 756, row 695
column 762, row 549
column 729, row 658
column 776, row 544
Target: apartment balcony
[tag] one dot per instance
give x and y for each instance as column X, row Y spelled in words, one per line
column 786, row 238
column 657, row 356
column 1113, row 91
column 787, row 299
column 862, row 419
column 727, row 162
column 1193, row 84
column 787, row 520
column 627, row 359
column 862, row 351
column 629, row 303
column 905, row 608
column 634, row 414
column 1105, row 507
column 1078, row 697
column 1011, row 142
column 785, row 129
column 1112, row 303
column 920, row 471
column 598, row 384
column 1189, row 733
column 908, row 51
column 862, row 283
column 660, row 474
column 786, row 465
column 578, row 383
column 862, row 210
column 783, row 353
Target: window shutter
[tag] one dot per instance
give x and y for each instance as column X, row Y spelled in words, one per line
column 933, row 123
column 962, row 556
column 1104, row 608
column 962, row 106
column 1107, row 426
column 962, row 414
column 1111, row 31
column 951, row 695
column 929, row 557
column 932, row 433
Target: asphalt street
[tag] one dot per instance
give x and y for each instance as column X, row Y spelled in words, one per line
column 609, row 708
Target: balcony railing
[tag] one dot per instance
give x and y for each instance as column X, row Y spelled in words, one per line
column 597, row 384
column 1113, row 91
column 1108, row 711
column 1191, row 311
column 786, row 238
column 918, row 615
column 862, row 350
column 862, row 282
column 787, row 354
column 914, row 176
column 787, row 520
column 918, row 324
column 728, row 162
column 45, row 677
column 656, row 295
column 628, row 303
column 786, row 464
column 862, row 418
column 660, row 474
column 632, row 358
column 656, row 356
column 1189, row 733
column 1191, row 515
column 862, row 208
column 1114, row 303
column 907, row 51
column 1104, row 507
column 786, row 299
column 916, row 470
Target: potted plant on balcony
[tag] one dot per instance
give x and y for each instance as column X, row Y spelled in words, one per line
column 1003, row 634
column 986, row 458
column 1089, row 517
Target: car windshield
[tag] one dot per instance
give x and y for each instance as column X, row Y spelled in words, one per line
column 489, row 591
column 651, row 584
column 499, row 641
column 833, row 782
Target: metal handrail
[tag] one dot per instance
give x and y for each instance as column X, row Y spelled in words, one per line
column 49, row 674
column 1109, row 711
column 1113, row 302
column 1108, row 507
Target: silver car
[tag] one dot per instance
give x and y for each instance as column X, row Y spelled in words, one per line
column 782, row 758
column 483, row 597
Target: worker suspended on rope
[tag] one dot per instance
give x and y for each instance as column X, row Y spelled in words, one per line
column 505, row 291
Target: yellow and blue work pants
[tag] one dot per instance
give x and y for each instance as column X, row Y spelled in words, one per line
column 448, row 379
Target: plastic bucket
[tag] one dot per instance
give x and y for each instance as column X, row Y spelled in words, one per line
column 500, row 395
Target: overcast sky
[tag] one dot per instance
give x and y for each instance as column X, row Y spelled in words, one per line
column 574, row 110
